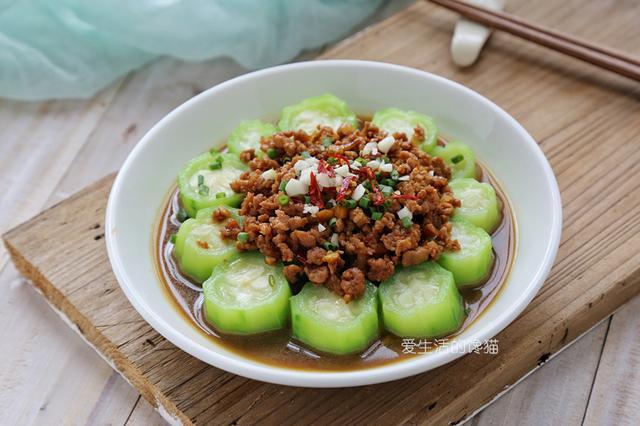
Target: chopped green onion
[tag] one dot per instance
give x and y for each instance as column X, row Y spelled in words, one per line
column 406, row 222
column 332, row 161
column 389, row 182
column 307, row 199
column 272, row 153
column 305, row 154
column 376, row 215
column 329, row 246
column 394, row 174
column 386, row 190
column 243, row 237
column 378, row 176
column 283, row 184
column 458, row 158
column 200, row 180
column 362, row 161
column 203, row 190
column 350, row 204
column 221, row 194
column 333, row 221
column 283, row 200
column 326, row 141
column 172, row 238
column 367, row 185
column 364, row 202
column 215, row 165
column 181, row 215
column 388, row 203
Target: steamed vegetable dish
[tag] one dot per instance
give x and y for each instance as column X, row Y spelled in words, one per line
column 325, row 239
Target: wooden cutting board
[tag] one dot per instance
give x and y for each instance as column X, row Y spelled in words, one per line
column 586, row 120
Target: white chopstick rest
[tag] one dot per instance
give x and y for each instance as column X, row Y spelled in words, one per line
column 469, row 37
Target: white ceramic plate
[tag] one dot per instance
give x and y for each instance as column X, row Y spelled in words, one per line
column 205, row 121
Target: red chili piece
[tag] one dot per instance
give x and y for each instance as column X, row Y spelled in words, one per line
column 341, row 158
column 315, row 192
column 324, row 167
column 377, row 198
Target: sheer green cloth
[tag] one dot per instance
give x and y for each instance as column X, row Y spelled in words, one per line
column 74, row 48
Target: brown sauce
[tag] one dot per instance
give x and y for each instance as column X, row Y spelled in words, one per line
column 278, row 348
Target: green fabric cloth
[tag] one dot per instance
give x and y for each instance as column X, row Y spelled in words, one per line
column 74, row 48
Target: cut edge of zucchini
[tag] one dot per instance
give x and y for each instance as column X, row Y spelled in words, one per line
column 411, row 119
column 351, row 335
column 430, row 305
column 330, row 111
column 247, row 296
column 469, row 268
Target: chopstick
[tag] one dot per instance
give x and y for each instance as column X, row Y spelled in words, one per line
column 604, row 57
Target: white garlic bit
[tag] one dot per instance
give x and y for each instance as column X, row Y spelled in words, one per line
column 387, row 167
column 385, row 144
column 269, row 174
column 405, row 212
column 374, row 164
column 295, row 187
column 370, row 148
column 358, row 192
column 310, row 208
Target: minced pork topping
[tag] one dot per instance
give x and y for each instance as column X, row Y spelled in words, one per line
column 340, row 207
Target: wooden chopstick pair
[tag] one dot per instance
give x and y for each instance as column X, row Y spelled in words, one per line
column 604, row 57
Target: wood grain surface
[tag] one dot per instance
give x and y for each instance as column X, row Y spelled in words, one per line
column 570, row 108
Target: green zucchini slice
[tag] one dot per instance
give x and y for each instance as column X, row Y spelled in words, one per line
column 479, row 203
column 472, row 264
column 323, row 320
column 325, row 110
column 459, row 157
column 421, row 301
column 248, row 134
column 246, row 296
column 204, row 182
column 394, row 120
column 199, row 247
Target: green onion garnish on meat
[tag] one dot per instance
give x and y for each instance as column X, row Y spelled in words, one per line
column 283, row 200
